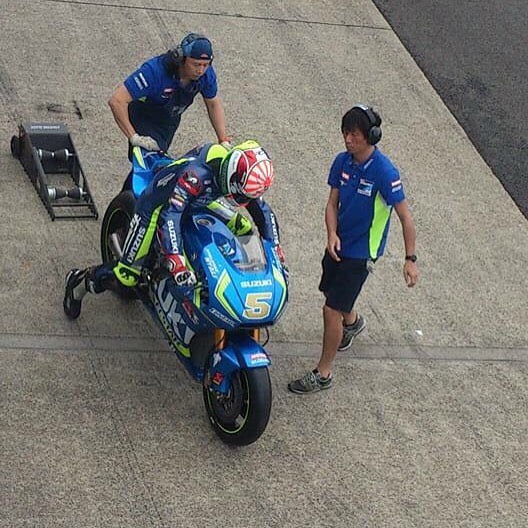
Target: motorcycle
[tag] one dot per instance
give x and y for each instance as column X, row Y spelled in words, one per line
column 214, row 328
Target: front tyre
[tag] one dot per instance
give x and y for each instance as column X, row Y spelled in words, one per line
column 115, row 227
column 240, row 417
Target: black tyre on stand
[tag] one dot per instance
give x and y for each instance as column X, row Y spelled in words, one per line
column 116, row 222
column 15, row 146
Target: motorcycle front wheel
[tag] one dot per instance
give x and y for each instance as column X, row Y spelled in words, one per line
column 240, row 416
column 115, row 228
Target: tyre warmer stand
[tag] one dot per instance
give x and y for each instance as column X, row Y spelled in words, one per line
column 49, row 158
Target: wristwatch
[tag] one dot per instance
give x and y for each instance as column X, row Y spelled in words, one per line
column 412, row 258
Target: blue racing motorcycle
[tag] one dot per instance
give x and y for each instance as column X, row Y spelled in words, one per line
column 215, row 327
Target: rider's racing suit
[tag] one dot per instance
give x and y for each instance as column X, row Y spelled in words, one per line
column 177, row 187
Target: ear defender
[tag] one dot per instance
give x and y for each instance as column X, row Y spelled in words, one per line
column 374, row 133
column 185, row 47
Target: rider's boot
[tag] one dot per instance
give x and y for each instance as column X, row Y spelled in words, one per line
column 74, row 292
column 96, row 279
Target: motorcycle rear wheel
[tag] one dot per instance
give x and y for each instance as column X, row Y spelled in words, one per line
column 241, row 416
column 116, row 221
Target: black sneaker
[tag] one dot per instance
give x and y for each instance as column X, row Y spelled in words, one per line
column 71, row 305
column 350, row 332
column 310, row 382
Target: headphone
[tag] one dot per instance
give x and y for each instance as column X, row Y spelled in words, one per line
column 184, row 48
column 374, row 133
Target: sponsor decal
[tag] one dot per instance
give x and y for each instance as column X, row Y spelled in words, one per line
column 167, row 93
column 172, row 235
column 255, row 283
column 211, row 265
column 166, row 179
column 257, row 357
column 138, row 82
column 345, row 176
column 222, row 317
column 44, row 127
column 143, row 80
column 365, row 187
column 138, row 233
column 396, row 185
column 274, row 229
column 189, row 310
column 167, row 310
column 216, row 358
column 177, row 201
column 217, row 378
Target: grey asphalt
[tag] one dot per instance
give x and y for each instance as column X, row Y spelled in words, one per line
column 99, row 424
column 474, row 57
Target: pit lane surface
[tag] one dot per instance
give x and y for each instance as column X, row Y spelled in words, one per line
column 426, row 425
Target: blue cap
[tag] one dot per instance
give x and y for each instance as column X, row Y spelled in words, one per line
column 197, row 47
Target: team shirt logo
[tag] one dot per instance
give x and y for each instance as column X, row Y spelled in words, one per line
column 396, row 186
column 365, row 187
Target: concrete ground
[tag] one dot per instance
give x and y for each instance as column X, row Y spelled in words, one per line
column 99, row 425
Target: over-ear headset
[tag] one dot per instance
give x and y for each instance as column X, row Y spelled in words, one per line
column 184, row 48
column 374, row 133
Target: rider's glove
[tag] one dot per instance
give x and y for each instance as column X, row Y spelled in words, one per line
column 182, row 275
column 145, row 142
column 239, row 225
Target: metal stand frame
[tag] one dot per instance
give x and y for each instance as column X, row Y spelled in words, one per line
column 47, row 154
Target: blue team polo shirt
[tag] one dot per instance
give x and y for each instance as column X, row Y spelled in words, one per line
column 159, row 99
column 367, row 193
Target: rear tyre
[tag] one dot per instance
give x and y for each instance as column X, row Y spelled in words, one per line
column 116, row 222
column 241, row 416
column 15, row 146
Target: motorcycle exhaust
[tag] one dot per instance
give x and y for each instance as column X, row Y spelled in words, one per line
column 115, row 245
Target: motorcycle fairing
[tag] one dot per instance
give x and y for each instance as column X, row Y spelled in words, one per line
column 144, row 163
column 244, row 289
column 242, row 352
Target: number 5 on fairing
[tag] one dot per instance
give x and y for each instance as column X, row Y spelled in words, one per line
column 256, row 305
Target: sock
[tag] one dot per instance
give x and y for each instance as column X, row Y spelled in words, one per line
column 352, row 325
column 318, row 375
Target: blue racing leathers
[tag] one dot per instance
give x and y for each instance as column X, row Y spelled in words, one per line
column 176, row 189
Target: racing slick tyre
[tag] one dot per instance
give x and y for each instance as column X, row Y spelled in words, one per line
column 115, row 227
column 15, row 146
column 240, row 416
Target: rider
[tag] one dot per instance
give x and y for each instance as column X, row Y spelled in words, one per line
column 240, row 175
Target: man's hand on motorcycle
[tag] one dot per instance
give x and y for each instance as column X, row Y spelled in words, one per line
column 183, row 276
column 146, row 142
column 226, row 142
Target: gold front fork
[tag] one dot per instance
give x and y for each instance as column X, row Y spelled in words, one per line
column 220, row 337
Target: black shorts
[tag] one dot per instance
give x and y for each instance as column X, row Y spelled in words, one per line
column 342, row 281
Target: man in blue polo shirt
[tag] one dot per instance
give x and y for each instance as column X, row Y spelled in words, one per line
column 148, row 106
column 364, row 188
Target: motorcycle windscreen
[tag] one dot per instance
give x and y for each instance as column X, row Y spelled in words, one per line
column 245, row 252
